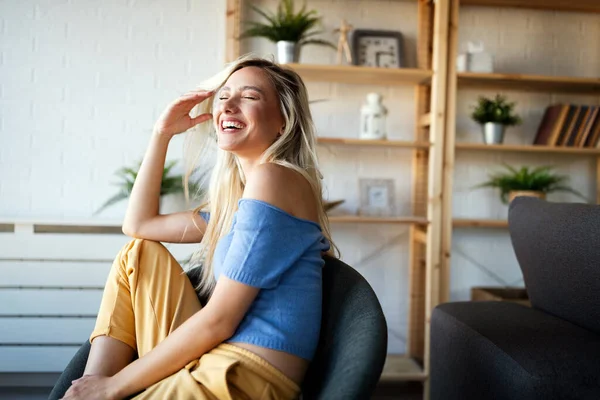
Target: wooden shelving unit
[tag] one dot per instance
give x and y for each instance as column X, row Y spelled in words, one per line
column 502, row 81
column 402, row 366
column 430, row 108
column 539, row 83
column 362, row 75
column 356, row 219
column 375, row 143
column 479, row 223
column 557, row 5
column 528, row 149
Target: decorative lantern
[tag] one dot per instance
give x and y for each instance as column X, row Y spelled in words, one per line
column 373, row 118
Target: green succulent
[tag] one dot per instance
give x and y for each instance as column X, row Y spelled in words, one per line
column 532, row 179
column 287, row 25
column 170, row 183
column 497, row 110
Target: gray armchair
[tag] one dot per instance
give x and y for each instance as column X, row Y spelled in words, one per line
column 497, row 350
column 352, row 346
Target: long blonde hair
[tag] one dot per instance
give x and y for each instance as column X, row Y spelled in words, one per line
column 295, row 149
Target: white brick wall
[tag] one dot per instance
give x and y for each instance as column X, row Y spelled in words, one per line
column 81, row 83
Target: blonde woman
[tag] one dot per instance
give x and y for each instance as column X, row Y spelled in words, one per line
column 262, row 242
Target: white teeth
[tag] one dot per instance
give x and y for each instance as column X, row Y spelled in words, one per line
column 231, row 124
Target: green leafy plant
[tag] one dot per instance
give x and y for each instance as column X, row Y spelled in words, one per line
column 540, row 179
column 287, row 25
column 497, row 110
column 170, row 183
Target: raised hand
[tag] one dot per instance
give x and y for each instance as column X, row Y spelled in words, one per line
column 176, row 118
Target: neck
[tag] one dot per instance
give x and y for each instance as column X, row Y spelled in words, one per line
column 248, row 164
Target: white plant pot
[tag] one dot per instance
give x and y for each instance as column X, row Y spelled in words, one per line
column 493, row 133
column 287, row 52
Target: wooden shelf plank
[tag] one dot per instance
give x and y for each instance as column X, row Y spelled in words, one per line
column 377, row 220
column 524, row 82
column 362, row 75
column 529, row 149
column 479, row 223
column 401, row 368
column 425, row 120
column 557, row 5
column 364, row 142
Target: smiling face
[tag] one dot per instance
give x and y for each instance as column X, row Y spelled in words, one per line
column 246, row 113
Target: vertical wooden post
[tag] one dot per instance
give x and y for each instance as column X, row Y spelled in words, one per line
column 436, row 165
column 449, row 154
column 232, row 29
column 415, row 347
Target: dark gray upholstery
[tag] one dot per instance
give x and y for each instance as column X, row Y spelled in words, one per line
column 498, row 350
column 558, row 248
column 352, row 346
column 353, row 343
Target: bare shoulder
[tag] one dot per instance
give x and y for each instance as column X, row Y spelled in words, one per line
column 282, row 187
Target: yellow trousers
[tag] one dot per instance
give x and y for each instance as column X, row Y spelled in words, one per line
column 147, row 296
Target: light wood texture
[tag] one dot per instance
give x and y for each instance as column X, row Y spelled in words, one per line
column 369, row 142
column 479, row 223
column 524, row 82
column 449, row 156
column 436, row 166
column 424, row 120
column 415, row 342
column 528, row 149
column 419, row 235
column 401, row 368
column 343, row 46
column 418, row 239
column 558, row 5
column 357, row 219
column 232, row 29
column 362, row 75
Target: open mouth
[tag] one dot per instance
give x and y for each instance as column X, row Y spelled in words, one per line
column 231, row 126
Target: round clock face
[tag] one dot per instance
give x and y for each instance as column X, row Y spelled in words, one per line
column 378, row 51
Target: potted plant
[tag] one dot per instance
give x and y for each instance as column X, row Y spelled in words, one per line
column 288, row 29
column 494, row 115
column 526, row 181
column 170, row 184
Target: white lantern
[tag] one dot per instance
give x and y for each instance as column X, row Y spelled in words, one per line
column 373, row 118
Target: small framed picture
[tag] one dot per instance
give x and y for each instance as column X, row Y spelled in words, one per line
column 377, row 197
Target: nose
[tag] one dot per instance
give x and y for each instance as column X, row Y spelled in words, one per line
column 228, row 105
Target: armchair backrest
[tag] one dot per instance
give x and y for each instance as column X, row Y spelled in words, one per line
column 558, row 249
column 353, row 343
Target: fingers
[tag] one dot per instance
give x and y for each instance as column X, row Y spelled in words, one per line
column 201, row 118
column 195, row 95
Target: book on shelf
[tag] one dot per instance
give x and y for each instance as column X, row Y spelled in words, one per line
column 569, row 125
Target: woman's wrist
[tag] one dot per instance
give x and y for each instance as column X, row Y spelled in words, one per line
column 163, row 136
column 118, row 388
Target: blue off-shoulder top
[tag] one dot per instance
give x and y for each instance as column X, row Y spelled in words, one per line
column 281, row 254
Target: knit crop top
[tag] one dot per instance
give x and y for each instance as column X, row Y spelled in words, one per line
column 279, row 253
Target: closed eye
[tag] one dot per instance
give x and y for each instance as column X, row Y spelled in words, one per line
column 250, row 97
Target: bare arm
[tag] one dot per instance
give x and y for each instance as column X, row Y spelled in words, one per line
column 206, row 329
column 217, row 321
column 142, row 219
